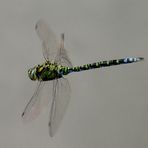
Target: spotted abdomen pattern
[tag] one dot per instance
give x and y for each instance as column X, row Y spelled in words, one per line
column 100, row 64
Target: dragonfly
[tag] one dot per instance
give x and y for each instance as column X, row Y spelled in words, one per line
column 56, row 66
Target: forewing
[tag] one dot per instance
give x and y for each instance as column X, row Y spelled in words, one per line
column 39, row 99
column 61, row 97
column 50, row 44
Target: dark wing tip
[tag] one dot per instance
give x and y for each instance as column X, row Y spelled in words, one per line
column 36, row 26
column 23, row 114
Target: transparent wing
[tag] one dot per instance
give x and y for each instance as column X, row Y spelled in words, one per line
column 55, row 52
column 50, row 44
column 62, row 56
column 39, row 99
column 61, row 91
column 61, row 97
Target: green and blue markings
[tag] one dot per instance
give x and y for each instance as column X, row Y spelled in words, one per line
column 54, row 51
column 50, row 71
column 105, row 64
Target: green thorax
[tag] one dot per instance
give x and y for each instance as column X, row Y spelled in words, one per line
column 47, row 71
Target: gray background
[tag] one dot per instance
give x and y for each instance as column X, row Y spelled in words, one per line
column 109, row 107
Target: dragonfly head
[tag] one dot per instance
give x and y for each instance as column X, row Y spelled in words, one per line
column 32, row 73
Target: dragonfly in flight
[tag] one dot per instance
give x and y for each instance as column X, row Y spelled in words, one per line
column 57, row 64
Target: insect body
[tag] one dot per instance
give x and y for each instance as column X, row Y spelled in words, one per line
column 57, row 64
column 49, row 71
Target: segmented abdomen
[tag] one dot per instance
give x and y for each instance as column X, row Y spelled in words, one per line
column 104, row 64
column 53, row 71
